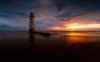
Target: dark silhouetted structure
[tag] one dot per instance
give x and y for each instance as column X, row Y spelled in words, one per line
column 32, row 23
column 32, row 30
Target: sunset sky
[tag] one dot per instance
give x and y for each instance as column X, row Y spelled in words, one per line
column 50, row 14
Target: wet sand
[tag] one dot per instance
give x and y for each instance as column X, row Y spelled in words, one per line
column 60, row 47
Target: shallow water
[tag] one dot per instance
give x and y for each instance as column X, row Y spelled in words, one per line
column 60, row 46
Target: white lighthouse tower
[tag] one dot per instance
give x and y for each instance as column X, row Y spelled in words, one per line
column 31, row 22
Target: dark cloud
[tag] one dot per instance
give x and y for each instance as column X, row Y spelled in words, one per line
column 4, row 16
column 78, row 3
column 22, row 7
column 74, row 8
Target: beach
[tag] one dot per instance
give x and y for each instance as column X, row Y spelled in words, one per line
column 59, row 47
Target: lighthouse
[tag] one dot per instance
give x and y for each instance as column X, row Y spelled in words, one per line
column 31, row 22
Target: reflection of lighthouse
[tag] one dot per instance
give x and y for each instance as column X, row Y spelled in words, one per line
column 31, row 22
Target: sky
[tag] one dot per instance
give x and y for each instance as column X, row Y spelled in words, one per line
column 49, row 14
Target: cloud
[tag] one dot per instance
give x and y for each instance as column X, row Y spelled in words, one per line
column 5, row 26
column 2, row 15
column 15, row 13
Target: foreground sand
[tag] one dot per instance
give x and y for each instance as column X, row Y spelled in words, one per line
column 49, row 49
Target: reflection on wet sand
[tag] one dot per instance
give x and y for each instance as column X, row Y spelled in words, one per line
column 31, row 37
column 63, row 47
column 81, row 37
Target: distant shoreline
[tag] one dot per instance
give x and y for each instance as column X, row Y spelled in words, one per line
column 45, row 31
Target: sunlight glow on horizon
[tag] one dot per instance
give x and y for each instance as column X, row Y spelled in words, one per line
column 84, row 26
column 77, row 26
